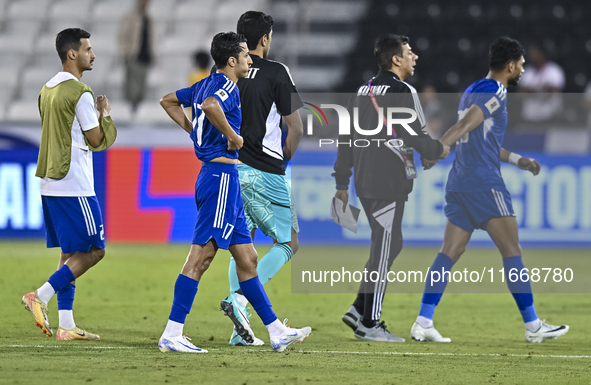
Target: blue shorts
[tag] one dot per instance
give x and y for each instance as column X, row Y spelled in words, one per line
column 267, row 203
column 73, row 223
column 473, row 210
column 220, row 211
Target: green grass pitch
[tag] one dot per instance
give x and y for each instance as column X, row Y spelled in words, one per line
column 127, row 298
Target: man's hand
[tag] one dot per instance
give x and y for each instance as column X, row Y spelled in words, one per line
column 427, row 164
column 103, row 105
column 235, row 143
column 445, row 152
column 342, row 195
column 529, row 165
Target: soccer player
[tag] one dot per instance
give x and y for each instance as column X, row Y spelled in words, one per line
column 476, row 195
column 215, row 131
column 383, row 175
column 266, row 98
column 71, row 128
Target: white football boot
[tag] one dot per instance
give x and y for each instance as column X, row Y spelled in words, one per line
column 179, row 344
column 545, row 332
column 419, row 333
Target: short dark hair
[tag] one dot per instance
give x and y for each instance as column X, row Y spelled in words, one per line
column 224, row 46
column 69, row 39
column 503, row 51
column 254, row 25
column 201, row 58
column 388, row 46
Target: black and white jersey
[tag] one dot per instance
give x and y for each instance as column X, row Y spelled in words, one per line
column 265, row 95
column 379, row 170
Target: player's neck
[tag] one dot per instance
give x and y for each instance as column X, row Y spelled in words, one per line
column 229, row 74
column 395, row 71
column 71, row 68
column 258, row 52
column 498, row 77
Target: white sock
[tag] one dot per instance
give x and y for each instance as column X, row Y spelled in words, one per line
column 241, row 299
column 276, row 328
column 533, row 326
column 424, row 322
column 66, row 319
column 173, row 329
column 45, row 292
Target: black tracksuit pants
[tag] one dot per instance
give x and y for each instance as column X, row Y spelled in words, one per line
column 385, row 218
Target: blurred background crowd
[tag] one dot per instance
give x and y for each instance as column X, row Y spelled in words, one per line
column 147, row 48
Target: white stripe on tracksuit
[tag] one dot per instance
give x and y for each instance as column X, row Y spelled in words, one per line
column 501, row 205
column 222, row 198
column 380, row 286
column 88, row 217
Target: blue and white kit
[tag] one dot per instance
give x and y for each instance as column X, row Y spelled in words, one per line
column 475, row 190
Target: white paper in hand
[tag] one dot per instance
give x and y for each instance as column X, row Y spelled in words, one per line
column 347, row 219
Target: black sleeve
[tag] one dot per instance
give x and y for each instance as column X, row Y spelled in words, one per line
column 344, row 163
column 428, row 147
column 284, row 88
column 425, row 145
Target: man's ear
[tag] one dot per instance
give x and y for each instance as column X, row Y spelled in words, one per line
column 232, row 61
column 396, row 61
column 511, row 66
column 72, row 54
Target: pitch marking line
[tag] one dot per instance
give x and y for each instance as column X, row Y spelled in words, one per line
column 431, row 354
column 58, row 346
column 328, row 351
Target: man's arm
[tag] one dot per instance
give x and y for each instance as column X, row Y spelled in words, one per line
column 515, row 159
column 212, row 109
column 473, row 118
column 96, row 135
column 342, row 170
column 174, row 109
column 295, row 131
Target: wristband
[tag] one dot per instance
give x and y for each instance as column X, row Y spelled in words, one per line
column 342, row 187
column 514, row 159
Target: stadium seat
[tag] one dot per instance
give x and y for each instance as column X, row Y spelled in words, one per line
column 178, row 43
column 70, row 9
column 195, row 11
column 343, row 11
column 23, row 45
column 24, row 111
column 198, row 32
column 57, row 25
column 111, row 10
column 229, row 11
column 151, row 113
column 121, row 112
column 27, row 10
column 161, row 10
column 18, row 28
column 316, row 78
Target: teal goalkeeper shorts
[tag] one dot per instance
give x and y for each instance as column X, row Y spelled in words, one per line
column 268, row 204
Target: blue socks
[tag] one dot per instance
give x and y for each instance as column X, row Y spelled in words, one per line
column 185, row 290
column 61, row 278
column 65, row 297
column 254, row 292
column 267, row 267
column 521, row 290
column 435, row 284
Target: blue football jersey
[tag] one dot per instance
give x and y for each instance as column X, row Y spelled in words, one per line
column 477, row 163
column 209, row 142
